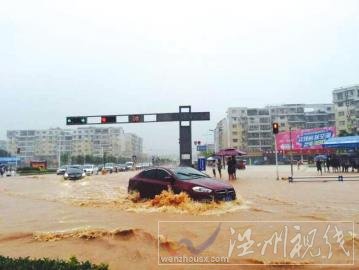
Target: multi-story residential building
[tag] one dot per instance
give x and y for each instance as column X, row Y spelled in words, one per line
column 3, row 145
column 220, row 135
column 50, row 144
column 133, row 145
column 302, row 116
column 250, row 129
column 246, row 129
column 346, row 105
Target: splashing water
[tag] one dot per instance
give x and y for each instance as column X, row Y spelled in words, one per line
column 167, row 202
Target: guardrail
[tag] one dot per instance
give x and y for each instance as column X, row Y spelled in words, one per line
column 339, row 178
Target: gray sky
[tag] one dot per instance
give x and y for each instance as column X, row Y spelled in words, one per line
column 60, row 58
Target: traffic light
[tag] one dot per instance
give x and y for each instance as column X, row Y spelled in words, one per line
column 275, row 128
column 78, row 120
column 136, row 118
column 108, row 119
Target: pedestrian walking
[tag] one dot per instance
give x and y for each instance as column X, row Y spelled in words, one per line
column 234, row 168
column 214, row 168
column 319, row 167
column 231, row 168
column 219, row 167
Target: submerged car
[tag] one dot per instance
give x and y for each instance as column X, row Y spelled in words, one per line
column 198, row 185
column 74, row 173
column 90, row 169
column 121, row 167
column 109, row 167
column 61, row 170
column 130, row 165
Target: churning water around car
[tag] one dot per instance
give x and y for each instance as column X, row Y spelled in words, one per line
column 95, row 219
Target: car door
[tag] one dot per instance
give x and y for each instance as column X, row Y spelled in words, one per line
column 144, row 183
column 162, row 182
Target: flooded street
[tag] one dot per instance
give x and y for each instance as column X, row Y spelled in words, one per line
column 95, row 219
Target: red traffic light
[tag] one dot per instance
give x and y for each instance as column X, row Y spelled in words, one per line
column 136, row 118
column 108, row 119
column 275, row 128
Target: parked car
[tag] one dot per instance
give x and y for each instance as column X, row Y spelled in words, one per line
column 129, row 165
column 61, row 170
column 109, row 167
column 74, row 173
column 198, row 185
column 90, row 169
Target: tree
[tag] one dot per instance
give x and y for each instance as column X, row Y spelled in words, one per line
column 344, row 133
column 65, row 158
column 4, row 153
column 207, row 154
column 78, row 159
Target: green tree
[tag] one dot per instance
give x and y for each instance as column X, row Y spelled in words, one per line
column 344, row 133
column 207, row 154
column 65, row 158
column 4, row 153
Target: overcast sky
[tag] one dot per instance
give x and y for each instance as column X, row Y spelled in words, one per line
column 69, row 57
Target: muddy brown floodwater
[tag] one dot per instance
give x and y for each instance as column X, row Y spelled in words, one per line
column 95, row 219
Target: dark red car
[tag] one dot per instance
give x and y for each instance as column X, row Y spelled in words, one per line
column 198, row 185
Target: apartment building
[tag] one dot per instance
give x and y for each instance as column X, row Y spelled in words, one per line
column 250, row 129
column 3, row 145
column 302, row 116
column 246, row 129
column 49, row 144
column 346, row 106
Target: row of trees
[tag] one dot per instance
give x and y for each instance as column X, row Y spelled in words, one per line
column 4, row 153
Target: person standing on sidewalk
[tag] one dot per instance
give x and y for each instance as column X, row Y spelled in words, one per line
column 219, row 167
column 319, row 166
column 213, row 164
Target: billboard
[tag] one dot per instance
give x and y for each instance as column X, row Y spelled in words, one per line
column 305, row 140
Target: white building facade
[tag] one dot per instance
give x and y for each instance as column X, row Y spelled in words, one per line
column 94, row 141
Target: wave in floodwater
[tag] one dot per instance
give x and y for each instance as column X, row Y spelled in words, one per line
column 167, row 202
column 92, row 234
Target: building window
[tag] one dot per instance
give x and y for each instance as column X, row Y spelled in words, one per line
column 341, row 114
column 235, row 140
column 342, row 123
column 234, row 126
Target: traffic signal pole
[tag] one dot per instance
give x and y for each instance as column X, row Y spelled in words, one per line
column 276, row 155
column 184, row 117
column 275, row 127
column 291, row 152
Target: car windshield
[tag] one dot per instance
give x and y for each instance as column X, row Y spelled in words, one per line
column 74, row 170
column 74, row 167
column 188, row 173
column 88, row 166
